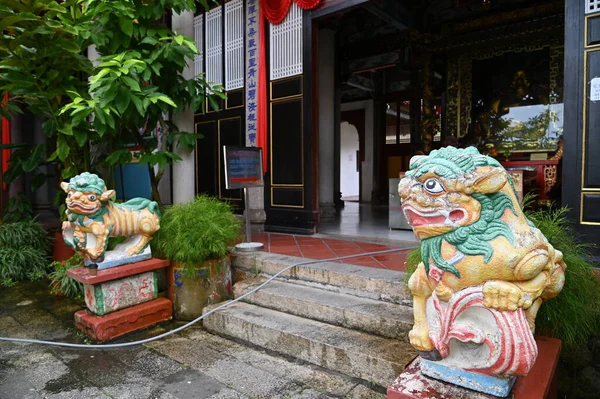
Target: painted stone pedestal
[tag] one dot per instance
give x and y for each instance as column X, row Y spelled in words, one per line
column 121, row 299
column 540, row 382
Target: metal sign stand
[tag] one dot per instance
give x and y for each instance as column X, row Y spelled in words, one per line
column 243, row 169
column 248, row 246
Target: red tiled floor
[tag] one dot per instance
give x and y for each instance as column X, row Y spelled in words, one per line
column 320, row 248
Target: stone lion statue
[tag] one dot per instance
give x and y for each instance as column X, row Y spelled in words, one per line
column 92, row 217
column 485, row 269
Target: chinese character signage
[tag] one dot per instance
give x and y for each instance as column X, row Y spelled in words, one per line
column 252, row 51
column 243, row 167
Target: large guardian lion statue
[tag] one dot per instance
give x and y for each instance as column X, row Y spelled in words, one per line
column 478, row 250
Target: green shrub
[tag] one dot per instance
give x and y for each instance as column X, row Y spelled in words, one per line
column 196, row 231
column 63, row 284
column 572, row 316
column 24, row 249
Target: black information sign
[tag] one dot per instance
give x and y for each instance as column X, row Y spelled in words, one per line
column 243, row 167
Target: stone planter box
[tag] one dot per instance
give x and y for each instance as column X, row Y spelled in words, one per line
column 206, row 284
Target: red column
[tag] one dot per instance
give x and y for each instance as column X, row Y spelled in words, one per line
column 5, row 140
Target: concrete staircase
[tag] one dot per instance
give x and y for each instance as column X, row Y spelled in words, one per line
column 349, row 319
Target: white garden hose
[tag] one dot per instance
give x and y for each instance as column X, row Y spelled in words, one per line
column 163, row 335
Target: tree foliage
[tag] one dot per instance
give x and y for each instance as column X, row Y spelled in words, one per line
column 41, row 58
column 127, row 99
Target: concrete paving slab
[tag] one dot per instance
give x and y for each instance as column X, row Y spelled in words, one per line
column 302, row 373
column 362, row 392
column 237, row 375
column 229, row 394
column 193, row 364
column 87, row 393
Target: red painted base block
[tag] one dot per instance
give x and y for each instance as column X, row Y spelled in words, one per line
column 113, row 325
column 82, row 274
column 538, row 384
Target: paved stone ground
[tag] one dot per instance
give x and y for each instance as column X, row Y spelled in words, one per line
column 190, row 364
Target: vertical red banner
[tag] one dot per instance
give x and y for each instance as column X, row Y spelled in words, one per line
column 261, row 117
column 5, row 139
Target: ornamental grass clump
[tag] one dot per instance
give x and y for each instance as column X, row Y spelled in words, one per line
column 574, row 315
column 196, row 231
column 24, row 250
column 61, row 283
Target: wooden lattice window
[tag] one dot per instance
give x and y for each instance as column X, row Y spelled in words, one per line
column 286, row 45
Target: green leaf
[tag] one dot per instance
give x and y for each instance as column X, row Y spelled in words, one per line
column 122, row 100
column 38, row 181
column 138, row 104
column 126, row 26
column 109, row 64
column 179, row 39
column 67, row 129
column 166, row 100
column 62, row 148
column 132, row 83
column 36, row 157
column 69, row 45
column 100, row 75
column 149, row 40
column 80, row 137
column 16, row 19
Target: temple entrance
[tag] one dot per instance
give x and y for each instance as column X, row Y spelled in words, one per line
column 458, row 80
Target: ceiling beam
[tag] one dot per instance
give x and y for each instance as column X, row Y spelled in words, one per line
column 383, row 15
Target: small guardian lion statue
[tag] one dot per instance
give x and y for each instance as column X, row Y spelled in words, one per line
column 485, row 269
column 92, row 217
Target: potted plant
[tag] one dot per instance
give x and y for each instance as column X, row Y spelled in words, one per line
column 60, row 283
column 24, row 249
column 197, row 238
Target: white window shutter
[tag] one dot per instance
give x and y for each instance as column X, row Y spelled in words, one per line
column 592, row 6
column 286, row 45
column 199, row 39
column 214, row 46
column 234, row 45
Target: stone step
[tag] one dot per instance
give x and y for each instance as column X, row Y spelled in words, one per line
column 371, row 358
column 367, row 282
column 372, row 316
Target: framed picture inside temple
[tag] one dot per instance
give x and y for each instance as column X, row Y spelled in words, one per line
column 517, row 102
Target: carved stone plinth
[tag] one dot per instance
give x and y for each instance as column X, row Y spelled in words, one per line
column 116, row 324
column 121, row 299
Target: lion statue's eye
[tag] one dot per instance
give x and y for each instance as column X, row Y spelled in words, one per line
column 92, row 197
column 69, row 194
column 433, row 186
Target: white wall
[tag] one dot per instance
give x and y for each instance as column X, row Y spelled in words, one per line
column 366, row 177
column 349, row 176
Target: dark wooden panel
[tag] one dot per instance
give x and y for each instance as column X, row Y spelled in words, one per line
column 287, row 197
column 592, row 131
column 286, row 88
column 206, row 158
column 230, row 133
column 219, row 102
column 286, row 142
column 591, row 208
column 593, row 30
column 291, row 220
column 235, row 99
